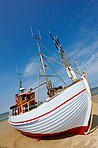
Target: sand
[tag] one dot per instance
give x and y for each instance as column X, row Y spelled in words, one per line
column 10, row 138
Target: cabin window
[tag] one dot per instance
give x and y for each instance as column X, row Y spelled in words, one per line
column 24, row 97
column 19, row 99
column 32, row 96
column 28, row 97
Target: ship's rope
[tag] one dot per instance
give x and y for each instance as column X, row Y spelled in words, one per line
column 91, row 118
column 49, row 50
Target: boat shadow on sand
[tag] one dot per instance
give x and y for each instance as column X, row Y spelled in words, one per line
column 94, row 124
column 67, row 135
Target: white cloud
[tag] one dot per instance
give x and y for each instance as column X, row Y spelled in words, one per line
column 80, row 49
column 31, row 67
column 88, row 49
column 91, row 66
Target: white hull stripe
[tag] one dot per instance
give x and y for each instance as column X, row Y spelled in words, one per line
column 51, row 110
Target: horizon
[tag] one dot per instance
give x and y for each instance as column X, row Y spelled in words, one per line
column 75, row 23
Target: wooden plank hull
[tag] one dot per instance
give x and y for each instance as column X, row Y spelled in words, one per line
column 69, row 111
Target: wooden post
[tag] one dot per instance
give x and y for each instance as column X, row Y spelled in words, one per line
column 78, row 66
column 17, row 110
column 21, row 109
column 54, row 89
column 42, row 64
column 38, row 80
column 28, row 106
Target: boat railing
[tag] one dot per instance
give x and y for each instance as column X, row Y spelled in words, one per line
column 23, row 108
column 16, row 110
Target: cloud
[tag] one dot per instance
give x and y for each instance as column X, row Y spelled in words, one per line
column 31, row 78
column 80, row 49
column 88, row 49
column 31, row 67
column 85, row 50
column 91, row 66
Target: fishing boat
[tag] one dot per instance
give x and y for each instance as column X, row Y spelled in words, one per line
column 67, row 109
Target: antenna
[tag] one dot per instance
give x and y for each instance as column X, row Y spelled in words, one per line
column 53, row 40
column 62, row 50
column 20, row 79
column 39, row 34
column 20, row 82
column 16, row 70
column 19, row 73
column 31, row 31
column 56, row 42
column 35, row 35
column 51, row 35
column 78, row 66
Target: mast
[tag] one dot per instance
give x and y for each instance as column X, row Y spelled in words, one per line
column 78, row 66
column 56, row 42
column 63, row 51
column 47, row 83
column 69, row 70
column 42, row 63
column 21, row 89
column 20, row 82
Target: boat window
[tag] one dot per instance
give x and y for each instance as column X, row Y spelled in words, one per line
column 32, row 96
column 24, row 97
column 28, row 97
column 19, row 99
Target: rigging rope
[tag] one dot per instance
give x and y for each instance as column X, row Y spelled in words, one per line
column 54, row 71
column 49, row 51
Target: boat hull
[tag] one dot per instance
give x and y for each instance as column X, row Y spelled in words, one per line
column 69, row 111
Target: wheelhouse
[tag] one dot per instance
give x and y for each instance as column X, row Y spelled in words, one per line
column 24, row 102
column 24, row 97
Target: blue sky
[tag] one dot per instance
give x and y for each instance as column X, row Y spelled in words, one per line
column 75, row 22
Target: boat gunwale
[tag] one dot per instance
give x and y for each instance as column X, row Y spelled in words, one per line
column 45, row 101
column 65, row 88
column 48, row 111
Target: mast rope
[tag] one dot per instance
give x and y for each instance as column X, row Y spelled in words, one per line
column 49, row 50
column 61, row 64
column 55, row 71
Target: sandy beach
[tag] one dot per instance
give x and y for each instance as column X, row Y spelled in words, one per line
column 10, row 138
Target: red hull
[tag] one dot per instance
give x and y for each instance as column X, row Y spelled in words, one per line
column 77, row 130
